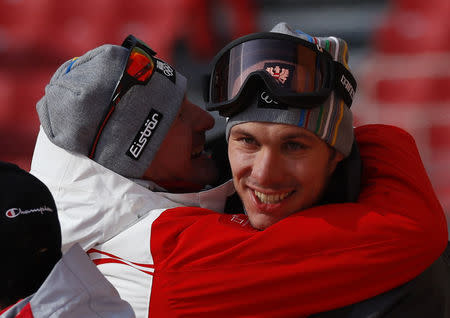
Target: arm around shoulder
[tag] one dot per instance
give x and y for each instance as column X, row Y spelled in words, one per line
column 319, row 259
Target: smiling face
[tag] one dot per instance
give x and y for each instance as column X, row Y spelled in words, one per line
column 278, row 169
column 180, row 161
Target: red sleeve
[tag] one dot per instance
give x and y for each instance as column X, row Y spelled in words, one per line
column 211, row 265
column 26, row 312
column 2, row 311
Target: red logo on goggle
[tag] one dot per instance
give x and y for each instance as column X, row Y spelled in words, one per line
column 280, row 74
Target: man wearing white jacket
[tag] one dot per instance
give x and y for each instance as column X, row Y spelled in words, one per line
column 117, row 134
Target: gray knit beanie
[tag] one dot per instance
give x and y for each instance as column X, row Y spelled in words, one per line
column 77, row 99
column 332, row 122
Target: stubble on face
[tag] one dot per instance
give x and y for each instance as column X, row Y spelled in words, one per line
column 278, row 169
column 181, row 160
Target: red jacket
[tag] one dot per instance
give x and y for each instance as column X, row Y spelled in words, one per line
column 210, row 265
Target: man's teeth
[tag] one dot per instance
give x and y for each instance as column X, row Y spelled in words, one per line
column 271, row 198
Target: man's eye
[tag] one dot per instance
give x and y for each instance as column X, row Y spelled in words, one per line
column 294, row 146
column 247, row 140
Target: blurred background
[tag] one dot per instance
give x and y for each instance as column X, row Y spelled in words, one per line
column 399, row 53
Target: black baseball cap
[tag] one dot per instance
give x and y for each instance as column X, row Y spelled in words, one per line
column 30, row 233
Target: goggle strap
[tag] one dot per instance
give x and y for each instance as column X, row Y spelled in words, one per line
column 345, row 84
column 205, row 86
column 99, row 132
column 131, row 41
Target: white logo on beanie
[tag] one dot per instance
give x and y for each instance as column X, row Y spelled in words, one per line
column 168, row 71
column 165, row 69
column 14, row 212
column 348, row 86
column 144, row 134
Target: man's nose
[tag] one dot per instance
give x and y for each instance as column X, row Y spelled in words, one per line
column 267, row 168
column 205, row 120
column 201, row 119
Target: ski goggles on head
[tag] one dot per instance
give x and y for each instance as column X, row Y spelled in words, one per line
column 296, row 72
column 137, row 70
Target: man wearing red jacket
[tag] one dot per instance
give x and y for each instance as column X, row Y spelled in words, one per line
column 289, row 127
column 212, row 266
column 117, row 131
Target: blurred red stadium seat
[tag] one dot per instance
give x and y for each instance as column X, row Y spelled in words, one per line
column 37, row 36
column 407, row 91
column 407, row 80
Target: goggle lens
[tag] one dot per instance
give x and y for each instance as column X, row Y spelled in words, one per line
column 293, row 67
column 140, row 65
column 296, row 72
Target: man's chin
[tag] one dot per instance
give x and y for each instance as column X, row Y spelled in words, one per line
column 261, row 221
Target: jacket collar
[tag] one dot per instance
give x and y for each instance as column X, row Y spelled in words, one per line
column 95, row 203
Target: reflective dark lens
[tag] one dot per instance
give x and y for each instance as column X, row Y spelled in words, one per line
column 140, row 65
column 294, row 67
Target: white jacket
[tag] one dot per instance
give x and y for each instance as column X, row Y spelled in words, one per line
column 95, row 204
column 74, row 288
column 99, row 208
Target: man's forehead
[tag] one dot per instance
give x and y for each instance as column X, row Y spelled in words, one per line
column 283, row 131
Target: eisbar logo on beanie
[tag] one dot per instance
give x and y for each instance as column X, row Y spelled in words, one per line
column 145, row 133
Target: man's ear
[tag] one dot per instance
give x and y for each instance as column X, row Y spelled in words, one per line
column 345, row 182
column 335, row 158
